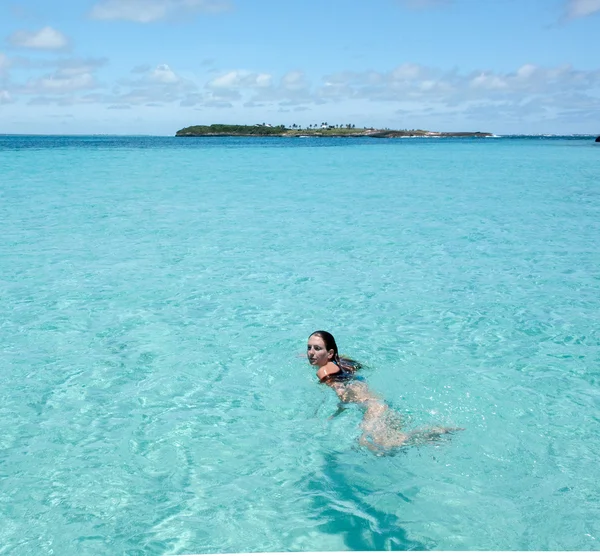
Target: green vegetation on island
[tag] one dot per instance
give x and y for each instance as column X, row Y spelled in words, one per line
column 224, row 129
column 316, row 130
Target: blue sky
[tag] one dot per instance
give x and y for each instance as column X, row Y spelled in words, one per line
column 154, row 66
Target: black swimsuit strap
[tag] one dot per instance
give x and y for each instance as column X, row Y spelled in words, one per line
column 342, row 375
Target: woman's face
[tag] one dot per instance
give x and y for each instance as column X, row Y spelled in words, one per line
column 317, row 354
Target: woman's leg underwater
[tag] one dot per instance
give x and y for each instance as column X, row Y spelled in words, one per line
column 381, row 428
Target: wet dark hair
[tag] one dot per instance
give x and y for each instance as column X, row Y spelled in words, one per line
column 345, row 363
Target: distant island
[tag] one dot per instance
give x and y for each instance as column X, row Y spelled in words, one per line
column 323, row 130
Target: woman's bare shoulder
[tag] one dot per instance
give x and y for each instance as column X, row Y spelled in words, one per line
column 328, row 369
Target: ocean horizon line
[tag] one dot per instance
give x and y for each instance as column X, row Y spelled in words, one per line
column 495, row 135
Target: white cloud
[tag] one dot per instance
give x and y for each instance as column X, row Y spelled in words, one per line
column 227, row 80
column 5, row 97
column 530, row 93
column 488, row 81
column 75, row 71
column 263, row 80
column 240, row 79
column 218, row 99
column 526, row 71
column 78, row 65
column 582, row 8
column 252, row 88
column 74, row 80
column 72, row 75
column 417, row 95
column 407, row 72
column 293, row 89
column 160, row 77
column 4, row 64
column 151, row 86
column 294, row 81
column 422, row 83
column 163, row 74
column 217, row 104
column 44, row 101
column 67, row 76
column 44, row 39
column 62, row 83
column 147, row 11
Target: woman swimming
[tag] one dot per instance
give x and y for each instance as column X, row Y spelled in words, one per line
column 381, row 426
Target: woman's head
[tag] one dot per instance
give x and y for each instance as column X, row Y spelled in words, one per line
column 321, row 348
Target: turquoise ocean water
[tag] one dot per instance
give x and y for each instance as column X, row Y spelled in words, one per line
column 155, row 296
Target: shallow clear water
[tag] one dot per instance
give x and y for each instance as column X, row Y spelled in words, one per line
column 155, row 294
